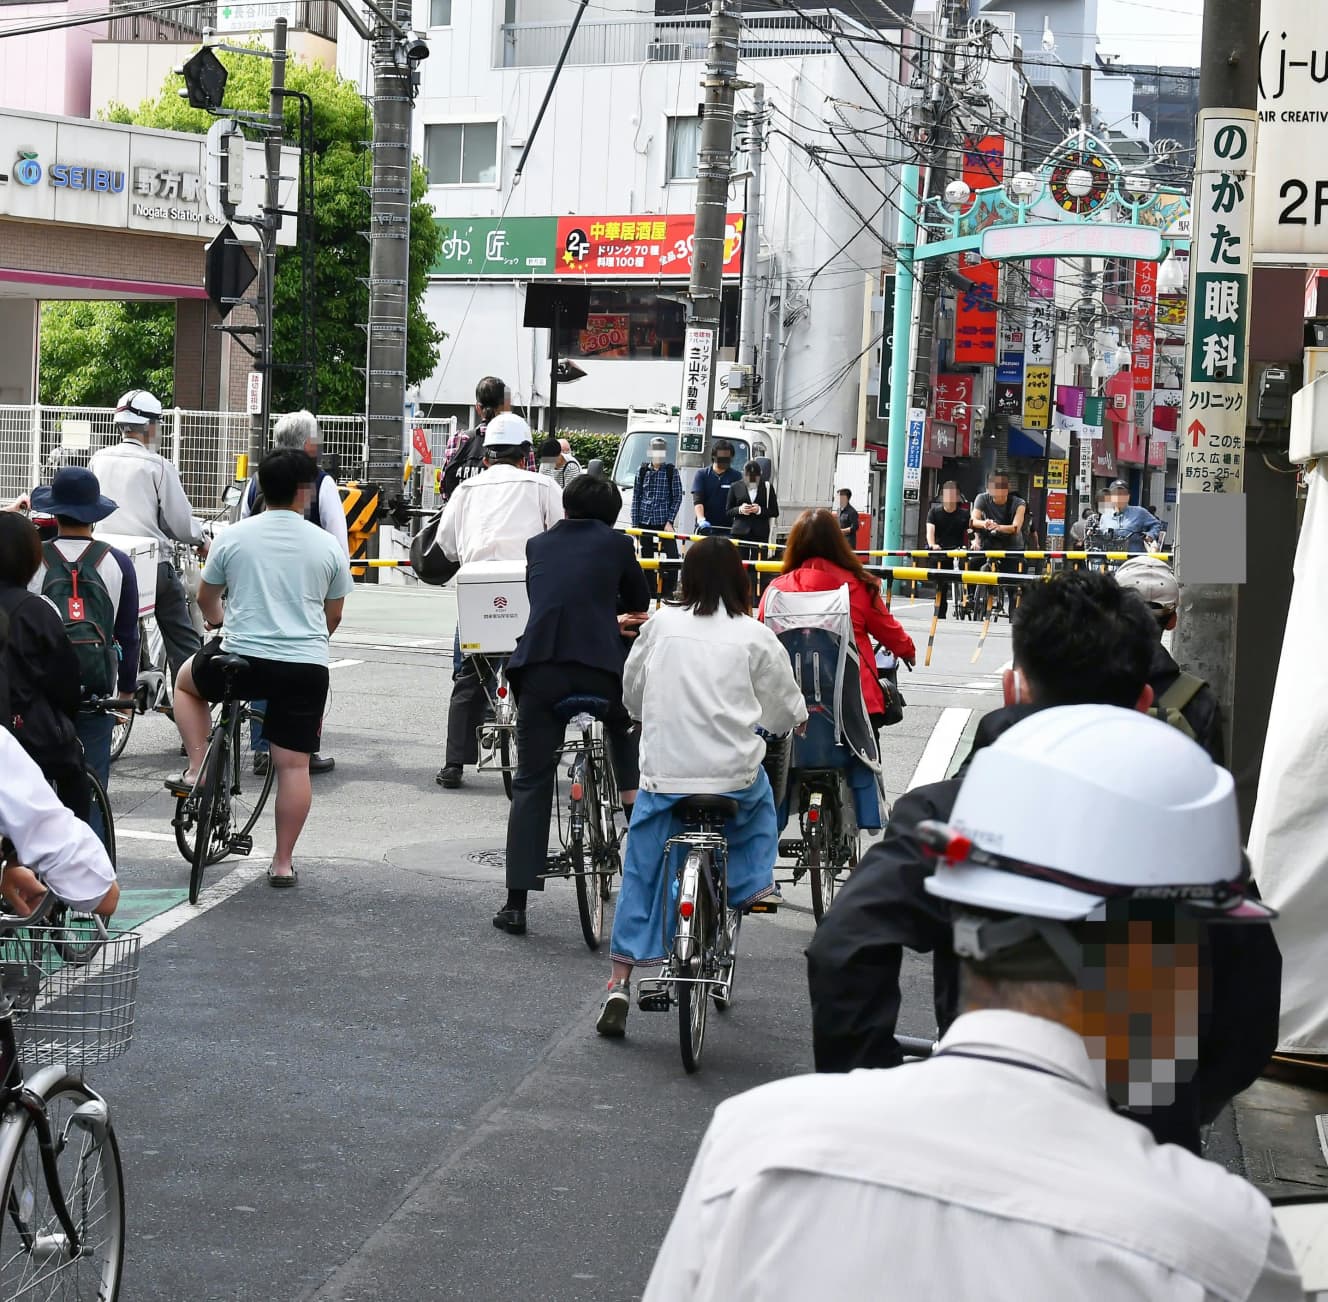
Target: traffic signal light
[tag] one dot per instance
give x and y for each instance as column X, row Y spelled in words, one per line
column 204, row 80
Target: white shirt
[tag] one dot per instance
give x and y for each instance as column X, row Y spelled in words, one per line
column 61, row 849
column 962, row 1179
column 491, row 516
column 331, row 514
column 146, row 489
column 712, row 681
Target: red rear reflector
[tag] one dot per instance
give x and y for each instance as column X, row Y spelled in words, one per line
column 814, row 815
column 959, row 848
column 502, row 693
column 577, row 791
column 686, row 908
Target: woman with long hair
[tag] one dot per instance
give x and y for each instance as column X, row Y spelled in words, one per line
column 818, row 558
column 702, row 677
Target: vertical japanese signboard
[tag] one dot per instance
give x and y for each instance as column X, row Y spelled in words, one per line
column 954, row 406
column 1221, row 257
column 917, row 426
column 1039, row 342
column 887, row 345
column 976, row 319
column 1143, row 340
column 697, row 358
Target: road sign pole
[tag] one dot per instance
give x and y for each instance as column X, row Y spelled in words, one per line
column 905, row 287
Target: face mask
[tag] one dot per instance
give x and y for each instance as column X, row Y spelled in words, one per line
column 547, row 466
column 723, row 463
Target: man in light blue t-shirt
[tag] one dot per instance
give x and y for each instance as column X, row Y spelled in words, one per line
column 284, row 581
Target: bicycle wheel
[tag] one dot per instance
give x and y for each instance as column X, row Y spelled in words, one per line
column 724, row 998
column 101, row 805
column 34, row 1248
column 589, row 858
column 245, row 806
column 507, row 755
column 76, row 936
column 693, row 1000
column 120, row 733
column 212, row 831
column 818, row 839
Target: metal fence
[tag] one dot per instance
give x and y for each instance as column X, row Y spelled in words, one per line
column 36, row 440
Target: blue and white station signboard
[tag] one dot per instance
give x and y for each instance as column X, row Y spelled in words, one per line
column 917, row 425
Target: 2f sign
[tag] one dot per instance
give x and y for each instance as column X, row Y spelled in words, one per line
column 1291, row 206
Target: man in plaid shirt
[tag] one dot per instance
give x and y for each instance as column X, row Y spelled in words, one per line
column 656, row 497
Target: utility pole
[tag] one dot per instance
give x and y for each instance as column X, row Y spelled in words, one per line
column 389, row 245
column 750, row 334
column 1209, row 521
column 713, row 172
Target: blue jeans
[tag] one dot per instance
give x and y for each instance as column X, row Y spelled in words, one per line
column 257, row 742
column 94, row 731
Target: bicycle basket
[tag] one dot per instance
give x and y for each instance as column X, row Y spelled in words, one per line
column 72, row 1014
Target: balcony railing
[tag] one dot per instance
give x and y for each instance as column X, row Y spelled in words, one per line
column 185, row 25
column 665, row 40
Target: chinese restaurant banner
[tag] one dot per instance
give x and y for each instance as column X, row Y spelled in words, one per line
column 976, row 338
column 638, row 246
column 606, row 335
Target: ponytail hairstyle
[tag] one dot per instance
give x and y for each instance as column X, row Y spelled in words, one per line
column 490, row 395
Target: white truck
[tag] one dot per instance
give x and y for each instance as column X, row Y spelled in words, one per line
column 799, row 462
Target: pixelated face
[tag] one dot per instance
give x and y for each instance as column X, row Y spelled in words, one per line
column 1139, row 1005
column 999, row 490
column 1120, row 498
column 949, row 497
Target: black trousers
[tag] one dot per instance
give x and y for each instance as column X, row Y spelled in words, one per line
column 465, row 712
column 666, row 577
column 539, row 740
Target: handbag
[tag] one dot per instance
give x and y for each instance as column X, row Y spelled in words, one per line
column 894, row 698
column 427, row 561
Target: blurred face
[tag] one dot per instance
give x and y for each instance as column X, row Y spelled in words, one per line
column 657, row 456
column 723, row 458
column 999, row 490
column 843, row 500
column 949, row 497
column 1120, row 499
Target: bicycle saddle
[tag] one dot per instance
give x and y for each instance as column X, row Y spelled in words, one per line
column 229, row 664
column 707, row 807
column 596, row 706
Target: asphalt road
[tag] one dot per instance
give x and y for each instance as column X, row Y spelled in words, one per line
column 359, row 1089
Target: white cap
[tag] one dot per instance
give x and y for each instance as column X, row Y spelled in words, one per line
column 1100, row 794
column 506, row 430
column 1152, row 579
column 137, row 407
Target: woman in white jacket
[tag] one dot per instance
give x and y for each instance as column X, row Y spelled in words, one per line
column 702, row 677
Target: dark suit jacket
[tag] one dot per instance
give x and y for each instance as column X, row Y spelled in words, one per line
column 752, row 528
column 580, row 575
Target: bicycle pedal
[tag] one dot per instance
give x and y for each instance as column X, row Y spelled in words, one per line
column 652, row 997
column 555, row 866
column 242, row 845
column 790, row 849
column 764, row 906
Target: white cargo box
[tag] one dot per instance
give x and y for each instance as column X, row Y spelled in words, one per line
column 492, row 606
column 144, row 552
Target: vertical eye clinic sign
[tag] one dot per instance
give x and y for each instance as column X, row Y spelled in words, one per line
column 1291, row 207
column 1213, row 413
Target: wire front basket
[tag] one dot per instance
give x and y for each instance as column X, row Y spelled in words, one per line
column 73, row 996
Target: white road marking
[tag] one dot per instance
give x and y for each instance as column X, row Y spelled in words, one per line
column 344, row 664
column 940, row 747
column 133, row 834
column 164, row 923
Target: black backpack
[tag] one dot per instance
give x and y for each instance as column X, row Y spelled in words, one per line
column 81, row 597
column 469, row 460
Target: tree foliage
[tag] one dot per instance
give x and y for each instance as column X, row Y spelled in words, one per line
column 91, row 353
column 341, row 122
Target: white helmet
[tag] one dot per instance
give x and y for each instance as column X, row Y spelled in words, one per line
column 137, row 408
column 1081, row 804
column 506, row 430
column 1152, row 579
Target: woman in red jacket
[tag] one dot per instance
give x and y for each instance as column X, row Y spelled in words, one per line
column 819, row 559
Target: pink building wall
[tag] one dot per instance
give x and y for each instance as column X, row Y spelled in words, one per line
column 50, row 72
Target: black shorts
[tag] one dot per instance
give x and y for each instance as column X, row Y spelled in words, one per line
column 295, row 692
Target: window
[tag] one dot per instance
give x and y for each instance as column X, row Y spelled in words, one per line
column 684, row 142
column 640, row 324
column 461, row 153
column 440, row 13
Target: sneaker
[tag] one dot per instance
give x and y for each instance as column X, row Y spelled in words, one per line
column 449, row 776
column 262, row 762
column 613, row 1011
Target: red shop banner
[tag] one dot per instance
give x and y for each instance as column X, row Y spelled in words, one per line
column 976, row 340
column 1144, row 335
column 954, row 406
column 651, row 245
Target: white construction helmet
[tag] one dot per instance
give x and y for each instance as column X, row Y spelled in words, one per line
column 506, row 430
column 138, row 407
column 1152, row 579
column 1078, row 805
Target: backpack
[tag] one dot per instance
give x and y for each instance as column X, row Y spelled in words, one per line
column 80, row 595
column 1170, row 706
column 469, row 460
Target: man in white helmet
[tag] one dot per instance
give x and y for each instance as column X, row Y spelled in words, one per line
column 151, row 503
column 1181, row 699
column 998, row 1169
column 490, row 517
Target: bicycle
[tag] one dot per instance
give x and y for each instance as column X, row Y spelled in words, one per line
column 214, row 819
column 62, row 1231
column 703, row 955
column 829, row 844
column 591, row 852
column 497, row 734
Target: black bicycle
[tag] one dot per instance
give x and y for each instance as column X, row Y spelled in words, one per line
column 216, row 817
column 591, row 853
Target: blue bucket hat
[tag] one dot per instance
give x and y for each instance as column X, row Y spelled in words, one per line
column 75, row 493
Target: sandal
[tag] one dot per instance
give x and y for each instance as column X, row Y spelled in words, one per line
column 282, row 879
column 181, row 787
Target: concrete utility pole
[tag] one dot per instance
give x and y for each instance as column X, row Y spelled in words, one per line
column 713, row 173
column 389, row 247
column 1229, row 79
column 750, row 335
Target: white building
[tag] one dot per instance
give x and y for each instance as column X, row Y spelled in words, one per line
column 608, row 193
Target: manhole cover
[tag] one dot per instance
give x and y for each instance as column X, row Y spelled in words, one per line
column 489, row 858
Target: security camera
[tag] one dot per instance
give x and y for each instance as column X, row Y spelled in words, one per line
column 417, row 48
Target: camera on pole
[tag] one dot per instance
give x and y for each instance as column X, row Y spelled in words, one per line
column 224, row 191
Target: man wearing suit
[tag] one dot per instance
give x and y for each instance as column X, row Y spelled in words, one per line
column 587, row 592
column 753, row 509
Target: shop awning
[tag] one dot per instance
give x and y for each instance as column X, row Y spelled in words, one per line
column 1024, row 444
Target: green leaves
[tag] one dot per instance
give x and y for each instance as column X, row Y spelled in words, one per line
column 91, row 353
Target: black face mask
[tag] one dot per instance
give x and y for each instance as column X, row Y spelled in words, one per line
column 723, row 463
